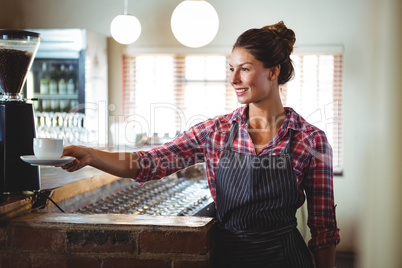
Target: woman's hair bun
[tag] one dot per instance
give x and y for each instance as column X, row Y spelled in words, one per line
column 272, row 45
column 285, row 34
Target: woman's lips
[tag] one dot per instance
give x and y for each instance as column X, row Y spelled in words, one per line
column 241, row 91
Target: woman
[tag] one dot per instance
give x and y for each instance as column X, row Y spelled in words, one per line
column 262, row 159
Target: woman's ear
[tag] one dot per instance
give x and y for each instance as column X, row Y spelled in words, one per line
column 274, row 73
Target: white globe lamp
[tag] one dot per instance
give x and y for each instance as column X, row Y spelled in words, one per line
column 194, row 23
column 125, row 29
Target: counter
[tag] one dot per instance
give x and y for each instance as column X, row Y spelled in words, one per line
column 59, row 184
column 33, row 237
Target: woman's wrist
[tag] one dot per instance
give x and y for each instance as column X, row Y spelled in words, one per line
column 93, row 156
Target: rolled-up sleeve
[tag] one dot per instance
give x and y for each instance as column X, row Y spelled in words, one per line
column 320, row 196
column 185, row 150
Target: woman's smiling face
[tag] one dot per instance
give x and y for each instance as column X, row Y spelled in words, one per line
column 249, row 78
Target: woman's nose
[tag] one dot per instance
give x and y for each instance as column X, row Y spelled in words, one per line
column 234, row 77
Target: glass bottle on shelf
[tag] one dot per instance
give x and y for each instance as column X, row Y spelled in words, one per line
column 53, row 80
column 54, row 105
column 44, row 80
column 74, row 104
column 72, row 76
column 64, row 106
column 46, row 107
column 36, row 106
column 62, row 84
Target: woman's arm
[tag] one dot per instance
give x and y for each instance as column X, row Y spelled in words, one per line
column 185, row 150
column 325, row 258
column 319, row 188
column 119, row 164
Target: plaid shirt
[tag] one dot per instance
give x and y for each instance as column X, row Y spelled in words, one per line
column 311, row 157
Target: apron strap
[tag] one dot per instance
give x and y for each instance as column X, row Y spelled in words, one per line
column 287, row 148
column 232, row 135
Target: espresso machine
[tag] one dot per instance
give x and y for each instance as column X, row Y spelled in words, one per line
column 17, row 126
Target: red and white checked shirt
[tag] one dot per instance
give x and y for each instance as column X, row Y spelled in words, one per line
column 311, row 157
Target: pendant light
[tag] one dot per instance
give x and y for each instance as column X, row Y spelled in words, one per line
column 194, row 23
column 125, row 29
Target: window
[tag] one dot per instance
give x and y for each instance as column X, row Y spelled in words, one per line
column 169, row 93
column 206, row 88
column 151, row 83
column 316, row 94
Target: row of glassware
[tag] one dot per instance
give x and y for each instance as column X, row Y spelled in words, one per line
column 62, row 125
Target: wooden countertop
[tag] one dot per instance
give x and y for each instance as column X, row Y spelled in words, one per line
column 63, row 184
column 54, row 177
column 60, row 184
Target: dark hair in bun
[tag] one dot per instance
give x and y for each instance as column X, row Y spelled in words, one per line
column 272, row 45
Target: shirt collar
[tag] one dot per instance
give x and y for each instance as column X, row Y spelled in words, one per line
column 293, row 120
column 239, row 115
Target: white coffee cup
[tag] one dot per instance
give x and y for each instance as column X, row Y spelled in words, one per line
column 45, row 148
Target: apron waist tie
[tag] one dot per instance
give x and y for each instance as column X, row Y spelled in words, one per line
column 269, row 232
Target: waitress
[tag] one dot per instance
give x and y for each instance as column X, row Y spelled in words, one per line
column 262, row 161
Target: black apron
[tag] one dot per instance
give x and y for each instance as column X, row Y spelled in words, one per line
column 257, row 198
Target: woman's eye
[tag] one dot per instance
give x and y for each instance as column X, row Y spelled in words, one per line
column 244, row 69
column 231, row 69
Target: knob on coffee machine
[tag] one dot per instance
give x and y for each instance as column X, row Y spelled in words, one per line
column 17, row 128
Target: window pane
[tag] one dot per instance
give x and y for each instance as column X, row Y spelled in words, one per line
column 195, row 68
column 215, row 68
column 293, row 87
column 155, row 93
column 204, row 98
column 211, row 68
column 204, row 101
column 309, row 99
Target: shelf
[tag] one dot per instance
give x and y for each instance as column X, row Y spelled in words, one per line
column 56, row 96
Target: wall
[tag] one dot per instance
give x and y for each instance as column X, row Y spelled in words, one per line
column 351, row 24
column 115, row 76
column 96, row 86
column 381, row 231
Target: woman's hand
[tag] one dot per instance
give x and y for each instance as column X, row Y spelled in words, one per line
column 82, row 156
column 325, row 258
column 119, row 164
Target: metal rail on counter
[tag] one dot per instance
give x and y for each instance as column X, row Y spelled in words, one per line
column 185, row 193
column 166, row 197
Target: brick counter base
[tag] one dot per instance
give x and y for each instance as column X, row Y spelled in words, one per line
column 106, row 240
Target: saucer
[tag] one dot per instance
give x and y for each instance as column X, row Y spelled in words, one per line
column 31, row 159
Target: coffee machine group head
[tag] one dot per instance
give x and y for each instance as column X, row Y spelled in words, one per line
column 17, row 126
